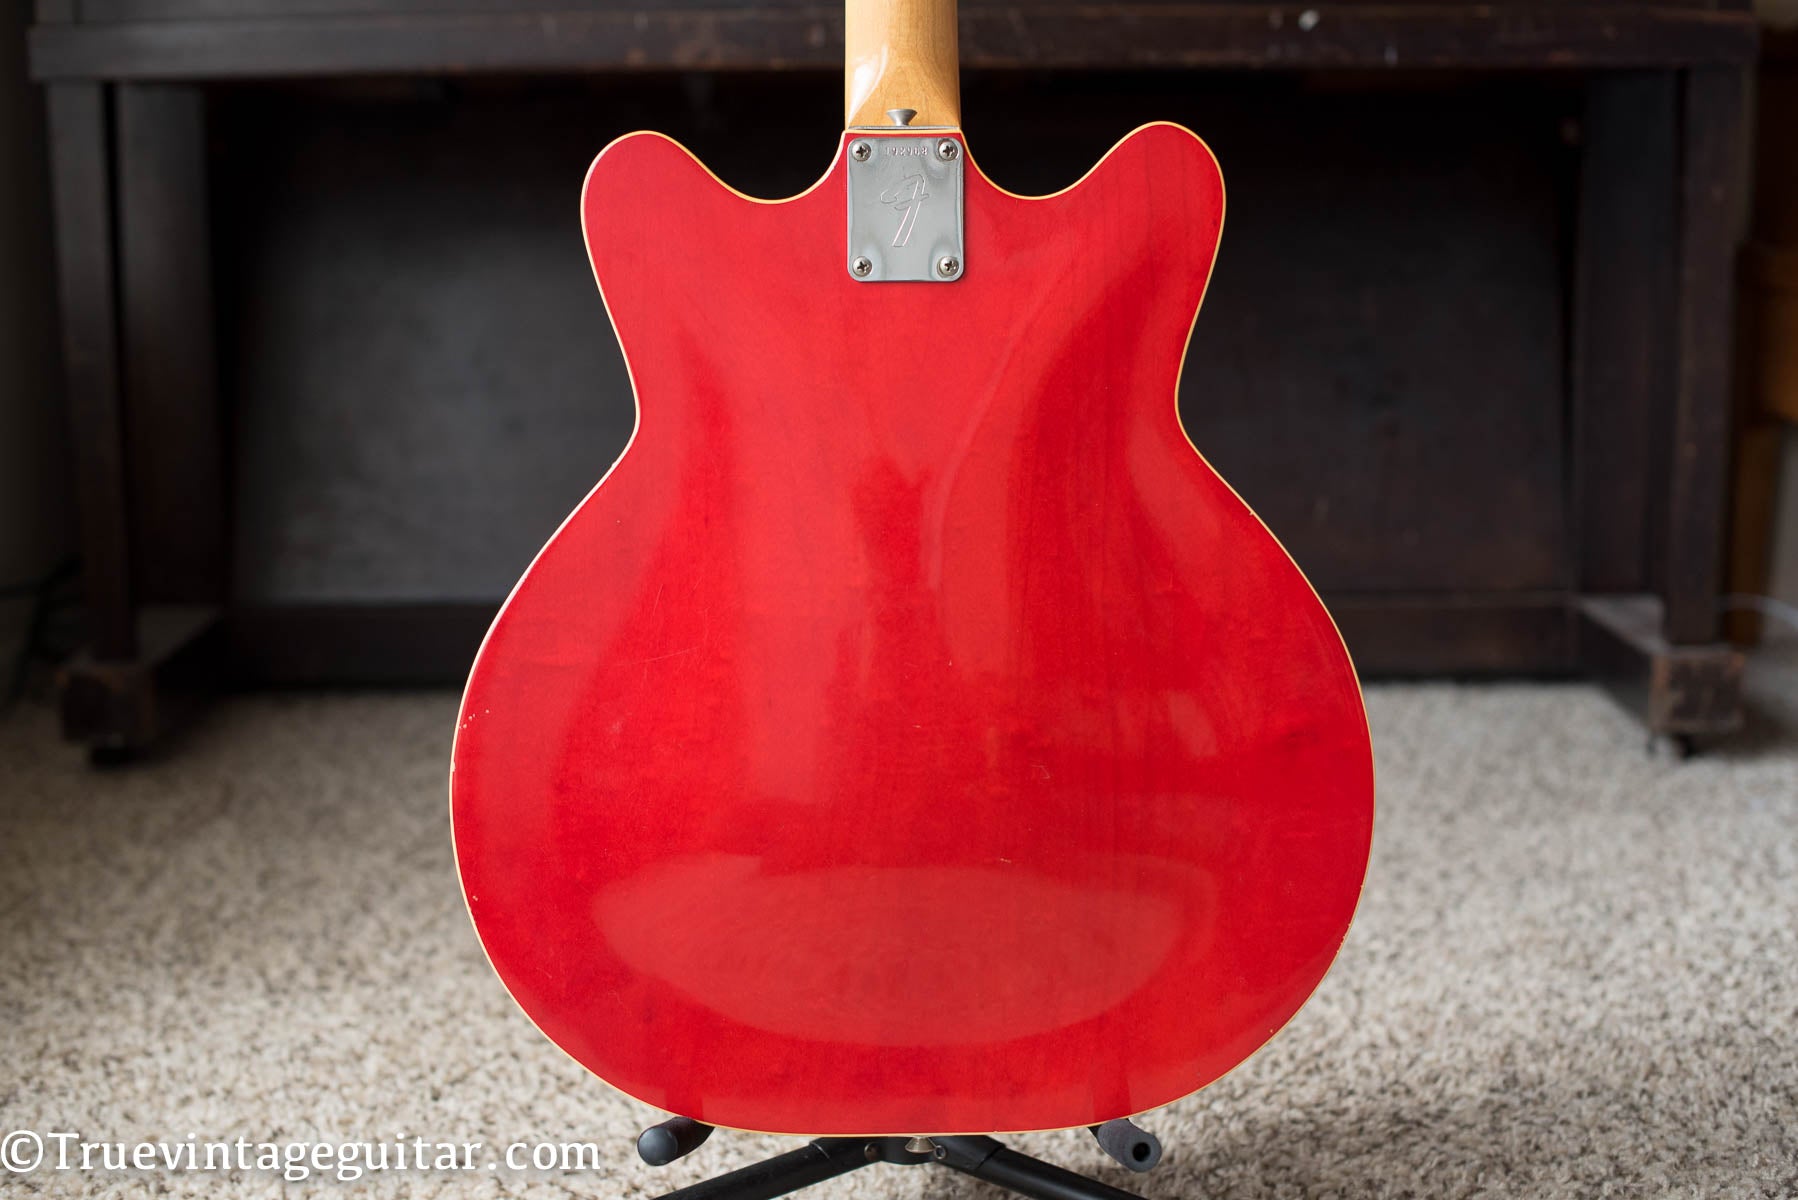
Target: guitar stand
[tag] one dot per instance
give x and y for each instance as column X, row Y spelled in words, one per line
column 982, row 1157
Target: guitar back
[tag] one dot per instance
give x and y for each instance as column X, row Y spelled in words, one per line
column 911, row 733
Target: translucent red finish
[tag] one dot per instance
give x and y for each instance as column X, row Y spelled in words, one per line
column 911, row 734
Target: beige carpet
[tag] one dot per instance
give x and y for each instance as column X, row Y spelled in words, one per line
column 1573, row 972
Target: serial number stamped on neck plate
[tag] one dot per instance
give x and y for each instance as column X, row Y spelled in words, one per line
column 905, row 215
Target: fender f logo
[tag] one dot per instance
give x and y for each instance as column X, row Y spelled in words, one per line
column 905, row 215
column 905, row 198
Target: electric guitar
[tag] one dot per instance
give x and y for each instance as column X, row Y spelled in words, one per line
column 911, row 733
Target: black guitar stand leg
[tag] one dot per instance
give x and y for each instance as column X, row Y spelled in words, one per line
column 674, row 1138
column 990, row 1159
column 826, row 1158
column 1128, row 1143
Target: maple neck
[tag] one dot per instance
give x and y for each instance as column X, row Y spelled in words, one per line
column 901, row 54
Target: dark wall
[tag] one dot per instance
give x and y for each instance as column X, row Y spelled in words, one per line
column 424, row 380
column 35, row 515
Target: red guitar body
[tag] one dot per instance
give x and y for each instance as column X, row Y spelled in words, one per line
column 911, row 734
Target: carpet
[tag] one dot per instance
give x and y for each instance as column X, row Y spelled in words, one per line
column 1574, row 973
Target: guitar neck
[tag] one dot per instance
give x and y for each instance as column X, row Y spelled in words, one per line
column 901, row 55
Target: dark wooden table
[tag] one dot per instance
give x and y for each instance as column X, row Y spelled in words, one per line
column 1629, row 595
